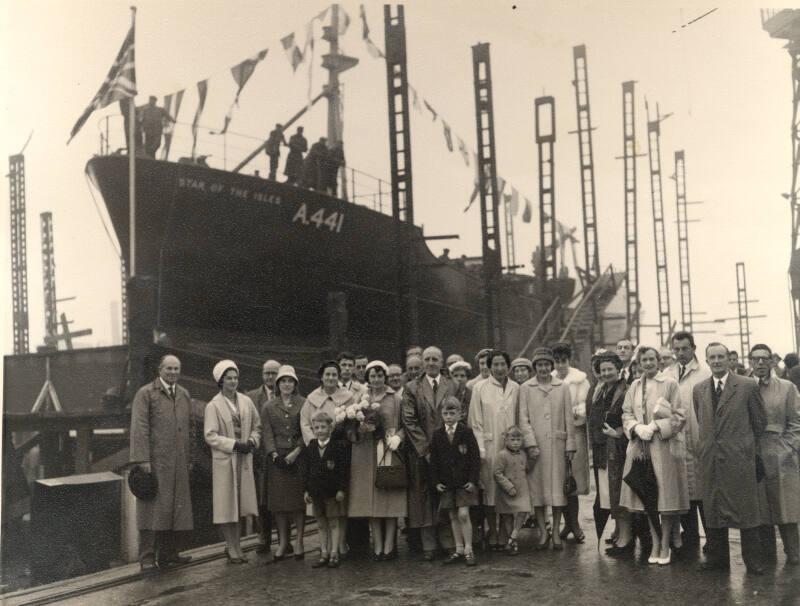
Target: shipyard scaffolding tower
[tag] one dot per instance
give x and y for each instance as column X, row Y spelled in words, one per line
column 659, row 239
column 632, row 303
column 687, row 313
column 400, row 156
column 487, row 184
column 19, row 257
column 49, row 278
column 785, row 24
column 545, row 141
column 741, row 305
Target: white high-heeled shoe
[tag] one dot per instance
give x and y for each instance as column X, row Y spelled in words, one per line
column 653, row 559
column 667, row 559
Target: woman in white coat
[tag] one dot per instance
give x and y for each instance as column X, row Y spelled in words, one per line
column 232, row 429
column 493, row 408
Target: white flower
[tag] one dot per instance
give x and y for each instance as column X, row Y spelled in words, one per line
column 375, row 406
column 351, row 413
column 360, row 416
column 341, row 416
column 393, row 442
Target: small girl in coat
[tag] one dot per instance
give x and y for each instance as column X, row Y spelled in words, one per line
column 512, row 498
column 455, row 472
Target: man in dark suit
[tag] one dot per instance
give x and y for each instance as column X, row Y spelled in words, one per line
column 731, row 419
column 260, row 396
column 421, row 416
column 625, row 353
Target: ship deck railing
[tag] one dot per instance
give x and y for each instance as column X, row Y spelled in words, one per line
column 223, row 152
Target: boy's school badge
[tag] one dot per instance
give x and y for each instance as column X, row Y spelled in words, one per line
column 462, row 448
column 330, row 464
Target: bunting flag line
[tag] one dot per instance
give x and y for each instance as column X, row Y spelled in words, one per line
column 477, row 184
column 462, row 149
column 120, row 82
column 294, row 54
column 526, row 214
column 448, row 135
column 169, row 128
column 373, row 50
column 241, row 74
column 501, row 185
column 344, row 20
column 434, row 115
column 414, row 98
column 364, row 27
column 513, row 202
column 202, row 89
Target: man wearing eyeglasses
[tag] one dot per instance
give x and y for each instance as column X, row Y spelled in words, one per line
column 779, row 447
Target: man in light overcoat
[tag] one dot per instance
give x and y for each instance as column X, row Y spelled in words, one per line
column 731, row 421
column 162, row 430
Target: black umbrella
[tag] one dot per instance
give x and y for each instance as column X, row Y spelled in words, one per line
column 642, row 480
column 600, row 519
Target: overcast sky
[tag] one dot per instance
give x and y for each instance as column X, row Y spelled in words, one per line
column 725, row 82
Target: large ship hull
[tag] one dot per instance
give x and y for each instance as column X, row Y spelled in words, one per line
column 238, row 257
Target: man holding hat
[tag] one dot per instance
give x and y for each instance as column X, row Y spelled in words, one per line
column 162, row 429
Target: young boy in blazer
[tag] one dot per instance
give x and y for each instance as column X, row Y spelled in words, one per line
column 455, row 471
column 326, row 476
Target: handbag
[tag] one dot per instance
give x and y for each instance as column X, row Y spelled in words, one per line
column 570, row 485
column 391, row 477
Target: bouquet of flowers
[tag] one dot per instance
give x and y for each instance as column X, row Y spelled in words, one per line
column 357, row 414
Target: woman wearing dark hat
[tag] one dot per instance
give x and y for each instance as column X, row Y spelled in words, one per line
column 608, row 444
column 546, row 419
column 232, row 429
column 578, row 386
column 283, row 444
column 327, row 397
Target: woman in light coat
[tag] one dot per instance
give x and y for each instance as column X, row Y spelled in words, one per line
column 377, row 443
column 654, row 417
column 493, row 409
column 546, row 419
column 232, row 429
column 578, row 386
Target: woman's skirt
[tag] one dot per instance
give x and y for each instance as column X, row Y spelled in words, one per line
column 285, row 486
column 616, row 463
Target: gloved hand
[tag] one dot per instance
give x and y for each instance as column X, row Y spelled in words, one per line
column 241, row 447
column 393, row 442
column 644, row 432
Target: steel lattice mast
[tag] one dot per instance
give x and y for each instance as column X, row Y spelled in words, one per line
column 785, row 24
column 659, row 239
column 741, row 304
column 487, row 185
column 19, row 256
column 400, row 156
column 687, row 314
column 590, row 241
column 49, row 276
column 632, row 303
column 545, row 141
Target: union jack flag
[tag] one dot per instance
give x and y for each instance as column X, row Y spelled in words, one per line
column 120, row 83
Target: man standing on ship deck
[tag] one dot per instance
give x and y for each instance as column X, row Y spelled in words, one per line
column 161, row 442
column 273, row 149
column 152, row 119
column 298, row 145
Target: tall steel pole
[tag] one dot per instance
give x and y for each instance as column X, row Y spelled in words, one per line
column 632, row 304
column 545, row 114
column 19, row 255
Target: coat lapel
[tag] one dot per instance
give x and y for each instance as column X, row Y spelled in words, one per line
column 224, row 413
column 727, row 393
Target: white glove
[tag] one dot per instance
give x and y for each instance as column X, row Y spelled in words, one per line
column 645, row 432
column 393, row 442
column 653, row 426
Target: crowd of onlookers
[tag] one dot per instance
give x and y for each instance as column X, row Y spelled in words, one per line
column 458, row 463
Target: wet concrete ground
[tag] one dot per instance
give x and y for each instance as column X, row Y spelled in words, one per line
column 577, row 575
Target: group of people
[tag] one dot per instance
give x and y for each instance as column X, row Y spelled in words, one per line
column 463, row 462
column 318, row 169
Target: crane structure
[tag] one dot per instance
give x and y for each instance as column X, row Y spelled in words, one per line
column 19, row 256
column 659, row 239
column 49, row 276
column 784, row 24
column 632, row 303
column 590, row 241
column 124, row 300
column 511, row 256
column 687, row 314
column 545, row 114
column 741, row 304
column 489, row 198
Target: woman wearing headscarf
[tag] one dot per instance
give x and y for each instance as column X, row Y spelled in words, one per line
column 546, row 419
column 376, row 443
column 653, row 416
column 232, row 429
column 578, row 386
column 283, row 445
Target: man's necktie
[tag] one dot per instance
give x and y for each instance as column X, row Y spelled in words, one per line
column 718, row 391
column 682, row 371
column 450, row 433
column 435, row 387
column 172, row 391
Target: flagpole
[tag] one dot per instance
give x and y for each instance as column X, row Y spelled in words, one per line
column 132, row 170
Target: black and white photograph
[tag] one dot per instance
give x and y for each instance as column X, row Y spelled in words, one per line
column 427, row 303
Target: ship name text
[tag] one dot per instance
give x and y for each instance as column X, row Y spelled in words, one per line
column 242, row 193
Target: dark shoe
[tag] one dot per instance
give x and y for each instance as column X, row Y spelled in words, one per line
column 300, row 556
column 454, row 558
column 470, row 560
column 321, row 563
column 542, row 546
column 565, row 533
column 262, row 548
column 755, row 570
column 616, row 551
column 428, row 556
column 388, row 557
column 333, row 562
column 579, row 536
column 714, row 566
column 148, row 564
column 512, row 548
column 558, row 546
column 377, row 557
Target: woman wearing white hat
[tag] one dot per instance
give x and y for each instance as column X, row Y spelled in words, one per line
column 283, row 445
column 232, row 429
